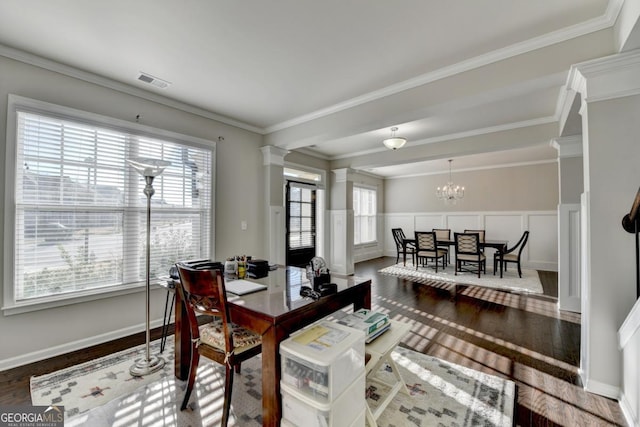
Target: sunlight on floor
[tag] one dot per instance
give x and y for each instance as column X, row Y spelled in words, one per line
column 507, row 345
column 494, row 415
column 533, row 384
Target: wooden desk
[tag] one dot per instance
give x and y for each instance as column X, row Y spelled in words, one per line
column 275, row 314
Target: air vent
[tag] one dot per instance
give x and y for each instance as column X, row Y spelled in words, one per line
column 148, row 78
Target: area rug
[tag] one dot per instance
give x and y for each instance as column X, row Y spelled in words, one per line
column 441, row 394
column 528, row 283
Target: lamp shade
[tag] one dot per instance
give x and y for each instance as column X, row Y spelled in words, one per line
column 148, row 167
column 394, row 143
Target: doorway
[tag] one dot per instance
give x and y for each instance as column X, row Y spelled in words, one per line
column 300, row 223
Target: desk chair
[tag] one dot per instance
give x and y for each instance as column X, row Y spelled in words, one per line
column 203, row 292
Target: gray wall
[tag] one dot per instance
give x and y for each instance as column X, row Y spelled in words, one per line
column 516, row 188
column 238, row 197
column 571, row 179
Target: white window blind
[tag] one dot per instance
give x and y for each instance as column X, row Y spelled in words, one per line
column 301, row 216
column 80, row 213
column 364, row 215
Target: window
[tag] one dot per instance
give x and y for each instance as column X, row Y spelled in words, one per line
column 300, row 215
column 364, row 215
column 79, row 218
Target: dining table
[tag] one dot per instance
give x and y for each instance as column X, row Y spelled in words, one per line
column 499, row 245
column 275, row 313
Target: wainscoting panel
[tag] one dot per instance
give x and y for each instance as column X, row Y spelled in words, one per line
column 543, row 240
column 429, row 222
column 459, row 222
column 507, row 227
column 569, row 247
column 540, row 253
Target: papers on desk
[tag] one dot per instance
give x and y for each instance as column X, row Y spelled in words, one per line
column 243, row 287
column 372, row 323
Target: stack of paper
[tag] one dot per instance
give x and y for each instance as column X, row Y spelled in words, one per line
column 373, row 323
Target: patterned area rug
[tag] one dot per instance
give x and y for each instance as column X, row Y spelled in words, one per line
column 529, row 283
column 441, row 394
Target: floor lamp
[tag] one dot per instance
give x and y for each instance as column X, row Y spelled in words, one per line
column 149, row 169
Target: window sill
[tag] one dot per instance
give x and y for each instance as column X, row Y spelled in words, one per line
column 55, row 301
column 366, row 245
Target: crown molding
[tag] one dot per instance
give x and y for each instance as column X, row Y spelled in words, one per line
column 569, row 146
column 610, row 77
column 458, row 135
column 479, row 168
column 605, row 21
column 96, row 79
column 273, row 155
column 343, row 174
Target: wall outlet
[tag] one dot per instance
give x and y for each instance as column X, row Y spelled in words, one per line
column 243, row 225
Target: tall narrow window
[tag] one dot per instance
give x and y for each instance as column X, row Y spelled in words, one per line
column 364, row 215
column 80, row 213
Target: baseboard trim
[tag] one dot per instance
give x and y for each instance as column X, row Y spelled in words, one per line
column 36, row 356
column 627, row 411
column 606, row 390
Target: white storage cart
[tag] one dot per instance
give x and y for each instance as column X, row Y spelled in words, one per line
column 323, row 376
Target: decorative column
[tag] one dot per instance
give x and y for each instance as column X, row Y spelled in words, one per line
column 610, row 91
column 275, row 221
column 341, row 222
column 570, row 182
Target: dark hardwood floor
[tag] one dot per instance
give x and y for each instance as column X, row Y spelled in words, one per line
column 520, row 337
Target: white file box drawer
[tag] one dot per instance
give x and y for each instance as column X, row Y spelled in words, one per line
column 300, row 410
column 323, row 360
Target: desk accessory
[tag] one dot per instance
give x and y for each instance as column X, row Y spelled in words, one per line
column 307, row 292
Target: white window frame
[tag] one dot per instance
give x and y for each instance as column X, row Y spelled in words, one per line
column 15, row 103
column 374, row 216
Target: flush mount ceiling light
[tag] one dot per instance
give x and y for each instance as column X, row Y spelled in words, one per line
column 394, row 142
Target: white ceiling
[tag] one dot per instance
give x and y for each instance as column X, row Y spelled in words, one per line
column 304, row 73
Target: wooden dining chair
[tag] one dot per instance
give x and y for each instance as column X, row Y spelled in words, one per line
column 203, row 292
column 510, row 254
column 402, row 248
column 468, row 252
column 443, row 234
column 426, row 248
column 480, row 233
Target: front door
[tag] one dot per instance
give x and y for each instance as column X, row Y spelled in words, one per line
column 301, row 223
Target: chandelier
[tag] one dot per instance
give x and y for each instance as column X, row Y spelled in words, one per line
column 450, row 193
column 394, row 142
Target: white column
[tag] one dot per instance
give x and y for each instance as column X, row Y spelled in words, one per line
column 341, row 223
column 275, row 222
column 570, row 183
column 610, row 91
